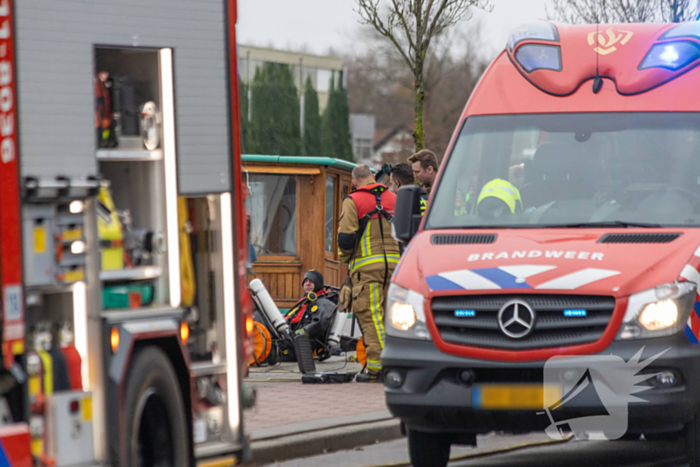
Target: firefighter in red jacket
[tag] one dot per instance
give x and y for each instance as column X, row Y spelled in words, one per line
column 365, row 242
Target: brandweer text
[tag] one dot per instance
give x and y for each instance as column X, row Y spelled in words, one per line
column 536, row 254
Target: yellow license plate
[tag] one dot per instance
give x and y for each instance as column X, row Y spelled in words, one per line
column 515, row 396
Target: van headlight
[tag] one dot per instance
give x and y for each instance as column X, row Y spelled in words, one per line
column 405, row 316
column 658, row 312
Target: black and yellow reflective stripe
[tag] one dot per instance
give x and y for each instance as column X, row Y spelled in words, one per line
column 374, row 366
column 365, row 261
column 376, row 308
column 365, row 245
column 342, row 256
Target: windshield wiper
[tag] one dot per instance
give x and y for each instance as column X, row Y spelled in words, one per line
column 604, row 224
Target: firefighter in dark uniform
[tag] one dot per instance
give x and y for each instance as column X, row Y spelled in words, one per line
column 365, row 242
column 402, row 175
column 425, row 168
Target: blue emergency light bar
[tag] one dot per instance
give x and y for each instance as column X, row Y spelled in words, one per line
column 575, row 313
column 539, row 57
column 465, row 313
column 671, row 55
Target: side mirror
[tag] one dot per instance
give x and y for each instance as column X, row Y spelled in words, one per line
column 407, row 215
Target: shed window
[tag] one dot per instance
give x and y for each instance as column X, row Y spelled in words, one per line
column 273, row 215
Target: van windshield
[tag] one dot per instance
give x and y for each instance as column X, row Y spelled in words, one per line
column 572, row 170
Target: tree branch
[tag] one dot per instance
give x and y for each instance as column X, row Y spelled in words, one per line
column 369, row 12
column 400, row 12
column 433, row 30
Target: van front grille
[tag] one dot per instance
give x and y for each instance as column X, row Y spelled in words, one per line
column 560, row 320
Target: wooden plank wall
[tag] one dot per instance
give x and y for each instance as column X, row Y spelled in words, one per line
column 311, row 209
column 332, row 272
column 282, row 278
column 282, row 274
column 344, row 189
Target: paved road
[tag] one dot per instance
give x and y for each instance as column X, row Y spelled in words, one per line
column 585, row 454
column 539, row 452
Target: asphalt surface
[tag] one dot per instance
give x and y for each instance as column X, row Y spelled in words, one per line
column 588, row 453
column 514, row 451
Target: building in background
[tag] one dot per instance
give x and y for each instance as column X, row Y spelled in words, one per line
column 319, row 68
column 362, row 131
column 392, row 146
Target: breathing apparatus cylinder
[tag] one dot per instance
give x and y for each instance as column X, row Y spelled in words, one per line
column 267, row 306
column 337, row 329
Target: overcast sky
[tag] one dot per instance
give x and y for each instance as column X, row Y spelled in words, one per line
column 320, row 25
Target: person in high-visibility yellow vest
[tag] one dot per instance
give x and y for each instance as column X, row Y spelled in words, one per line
column 425, row 167
column 461, row 203
column 401, row 175
column 498, row 198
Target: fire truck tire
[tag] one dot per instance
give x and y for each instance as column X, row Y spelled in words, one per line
column 428, row 449
column 692, row 441
column 156, row 425
column 663, row 436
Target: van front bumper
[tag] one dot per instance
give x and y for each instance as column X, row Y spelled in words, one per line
column 432, row 397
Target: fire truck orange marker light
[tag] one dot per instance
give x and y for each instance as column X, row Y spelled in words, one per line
column 249, row 325
column 184, row 332
column 114, row 339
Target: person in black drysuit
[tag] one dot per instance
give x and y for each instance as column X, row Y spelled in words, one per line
column 312, row 314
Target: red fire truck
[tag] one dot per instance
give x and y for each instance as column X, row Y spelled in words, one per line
column 564, row 223
column 125, row 318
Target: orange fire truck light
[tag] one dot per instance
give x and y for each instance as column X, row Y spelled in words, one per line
column 114, row 339
column 249, row 325
column 184, row 332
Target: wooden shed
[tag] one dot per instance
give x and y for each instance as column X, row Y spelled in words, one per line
column 294, row 204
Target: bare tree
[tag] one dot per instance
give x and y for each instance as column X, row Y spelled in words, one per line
column 676, row 11
column 379, row 82
column 411, row 25
column 623, row 11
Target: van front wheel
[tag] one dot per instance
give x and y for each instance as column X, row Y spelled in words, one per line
column 428, row 449
column 692, row 441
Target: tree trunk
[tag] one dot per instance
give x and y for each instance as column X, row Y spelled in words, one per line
column 419, row 130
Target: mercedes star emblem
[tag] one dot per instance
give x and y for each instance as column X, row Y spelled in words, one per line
column 516, row 319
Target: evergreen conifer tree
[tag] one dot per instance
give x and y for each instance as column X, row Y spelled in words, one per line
column 335, row 134
column 312, row 121
column 344, row 139
column 243, row 116
column 274, row 125
column 327, row 146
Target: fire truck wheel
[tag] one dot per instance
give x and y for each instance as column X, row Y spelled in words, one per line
column 428, row 449
column 156, row 425
column 663, row 436
column 692, row 441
